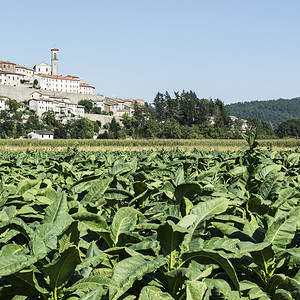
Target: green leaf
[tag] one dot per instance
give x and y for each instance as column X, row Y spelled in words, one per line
column 124, row 221
column 11, row 264
column 26, row 279
column 121, row 167
column 93, row 283
column 206, row 256
column 154, row 293
column 170, row 237
column 127, row 271
column 187, row 190
column 18, row 225
column 281, row 232
column 58, row 208
column 61, row 270
column 205, row 211
column 195, row 290
column 96, row 191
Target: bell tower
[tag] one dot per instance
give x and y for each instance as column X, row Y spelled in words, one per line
column 54, row 61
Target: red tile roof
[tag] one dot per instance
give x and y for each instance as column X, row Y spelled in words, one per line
column 86, row 85
column 58, row 77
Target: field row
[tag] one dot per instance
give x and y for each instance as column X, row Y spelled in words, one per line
column 143, row 144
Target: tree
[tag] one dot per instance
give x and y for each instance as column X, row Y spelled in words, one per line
column 80, row 129
column 88, row 105
column 49, row 118
column 160, row 107
column 13, row 105
column 114, row 129
column 33, row 121
column 263, row 129
column 35, row 84
column 289, row 128
column 60, row 133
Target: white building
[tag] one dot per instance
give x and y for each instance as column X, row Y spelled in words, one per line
column 57, row 83
column 43, row 105
column 62, row 107
column 12, row 79
column 42, row 68
column 86, row 89
column 40, row 135
column 80, row 110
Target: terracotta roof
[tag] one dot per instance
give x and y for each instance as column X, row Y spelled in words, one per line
column 7, row 62
column 18, row 66
column 58, row 77
column 72, row 76
column 54, row 49
column 86, row 85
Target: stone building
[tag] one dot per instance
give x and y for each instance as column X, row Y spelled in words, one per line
column 7, row 66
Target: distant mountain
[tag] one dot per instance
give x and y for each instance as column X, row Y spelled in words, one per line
column 274, row 111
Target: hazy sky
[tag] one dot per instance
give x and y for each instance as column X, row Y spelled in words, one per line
column 234, row 50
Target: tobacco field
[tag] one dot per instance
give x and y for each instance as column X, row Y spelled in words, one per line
column 150, row 225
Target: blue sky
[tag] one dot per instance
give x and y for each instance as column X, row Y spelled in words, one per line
column 234, row 50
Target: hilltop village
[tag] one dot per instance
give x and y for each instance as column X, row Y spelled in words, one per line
column 40, row 103
column 46, row 90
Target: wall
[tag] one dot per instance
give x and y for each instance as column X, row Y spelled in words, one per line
column 21, row 93
column 102, row 118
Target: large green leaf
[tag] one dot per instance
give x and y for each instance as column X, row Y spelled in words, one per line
column 11, row 264
column 93, row 283
column 281, row 232
column 58, row 208
column 170, row 237
column 205, row 211
column 124, row 221
column 127, row 271
column 26, row 279
column 96, row 191
column 206, row 256
column 61, row 270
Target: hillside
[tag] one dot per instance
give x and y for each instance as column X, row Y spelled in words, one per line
column 274, row 111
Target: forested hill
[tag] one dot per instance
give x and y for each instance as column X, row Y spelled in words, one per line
column 274, row 111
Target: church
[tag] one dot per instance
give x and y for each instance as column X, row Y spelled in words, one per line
column 46, row 78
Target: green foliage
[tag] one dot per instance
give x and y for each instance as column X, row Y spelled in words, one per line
column 289, row 128
column 88, row 105
column 272, row 111
column 49, row 118
column 150, row 225
column 81, row 128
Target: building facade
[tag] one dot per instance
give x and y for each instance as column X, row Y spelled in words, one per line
column 57, row 83
column 7, row 66
column 40, row 135
column 9, row 78
column 86, row 89
column 42, row 68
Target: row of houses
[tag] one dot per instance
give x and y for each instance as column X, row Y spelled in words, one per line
column 64, row 108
